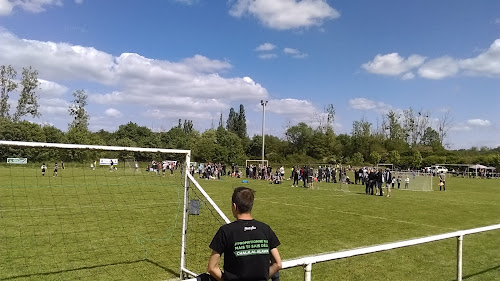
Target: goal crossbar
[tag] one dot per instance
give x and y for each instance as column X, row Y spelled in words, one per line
column 89, row 146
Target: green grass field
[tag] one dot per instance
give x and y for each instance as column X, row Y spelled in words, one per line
column 101, row 225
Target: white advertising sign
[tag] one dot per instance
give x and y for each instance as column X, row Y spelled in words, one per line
column 107, row 161
column 17, row 160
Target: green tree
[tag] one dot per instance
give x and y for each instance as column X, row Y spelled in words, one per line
column 241, row 129
column 188, row 127
column 361, row 138
column 430, row 137
column 7, row 85
column 357, row 159
column 232, row 121
column 299, row 137
column 28, row 100
column 375, row 158
column 416, row 159
column 78, row 112
column 394, row 157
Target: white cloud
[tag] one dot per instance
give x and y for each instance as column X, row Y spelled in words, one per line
column 58, row 61
column 51, row 89
column 78, row 1
column 268, row 56
column 393, row 64
column 133, row 79
column 53, row 107
column 485, row 64
column 33, row 6
column 408, row 76
column 114, row 113
column 291, row 107
column 439, row 68
column 367, row 104
column 294, row 53
column 285, row 14
column 478, row 123
column 265, row 47
column 5, row 7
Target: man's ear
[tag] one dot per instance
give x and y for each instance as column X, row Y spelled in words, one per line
column 235, row 207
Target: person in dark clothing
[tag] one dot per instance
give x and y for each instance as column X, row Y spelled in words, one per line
column 295, row 174
column 249, row 246
column 380, row 180
column 372, row 180
column 305, row 175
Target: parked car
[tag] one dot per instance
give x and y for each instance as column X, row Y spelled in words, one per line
column 436, row 169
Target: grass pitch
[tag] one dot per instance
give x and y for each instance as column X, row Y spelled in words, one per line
column 126, row 225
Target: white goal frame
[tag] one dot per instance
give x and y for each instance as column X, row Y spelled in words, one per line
column 187, row 178
column 260, row 162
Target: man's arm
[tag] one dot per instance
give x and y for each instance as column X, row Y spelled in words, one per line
column 213, row 266
column 275, row 262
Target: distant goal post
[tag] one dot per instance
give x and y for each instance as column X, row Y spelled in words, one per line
column 258, row 162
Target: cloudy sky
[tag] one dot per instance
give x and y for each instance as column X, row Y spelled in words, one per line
column 153, row 62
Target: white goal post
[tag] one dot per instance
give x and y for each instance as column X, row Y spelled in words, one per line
column 187, row 181
column 266, row 163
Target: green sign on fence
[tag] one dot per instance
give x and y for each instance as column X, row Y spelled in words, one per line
column 17, row 160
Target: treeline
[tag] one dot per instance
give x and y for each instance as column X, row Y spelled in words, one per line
column 302, row 145
column 404, row 139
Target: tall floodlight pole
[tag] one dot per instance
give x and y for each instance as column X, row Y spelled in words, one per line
column 263, row 103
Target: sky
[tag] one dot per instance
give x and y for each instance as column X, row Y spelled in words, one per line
column 154, row 62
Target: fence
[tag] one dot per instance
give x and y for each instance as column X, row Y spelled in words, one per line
column 307, row 262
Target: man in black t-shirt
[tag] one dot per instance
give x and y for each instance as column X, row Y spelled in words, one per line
column 249, row 246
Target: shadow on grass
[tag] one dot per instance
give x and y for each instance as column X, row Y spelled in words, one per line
column 90, row 267
column 481, row 272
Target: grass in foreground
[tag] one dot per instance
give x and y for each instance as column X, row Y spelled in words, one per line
column 97, row 225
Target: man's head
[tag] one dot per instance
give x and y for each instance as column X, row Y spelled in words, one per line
column 243, row 200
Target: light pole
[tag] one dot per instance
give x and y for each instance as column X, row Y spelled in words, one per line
column 263, row 103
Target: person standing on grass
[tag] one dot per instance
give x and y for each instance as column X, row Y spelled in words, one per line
column 407, row 182
column 442, row 178
column 43, row 169
column 249, row 246
column 54, row 174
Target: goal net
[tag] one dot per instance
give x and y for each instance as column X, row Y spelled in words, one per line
column 88, row 221
column 413, row 180
column 257, row 163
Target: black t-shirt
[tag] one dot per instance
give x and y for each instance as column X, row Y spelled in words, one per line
column 246, row 246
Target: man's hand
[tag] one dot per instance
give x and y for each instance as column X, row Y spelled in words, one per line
column 213, row 266
column 275, row 262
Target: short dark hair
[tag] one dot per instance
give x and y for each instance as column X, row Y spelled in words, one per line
column 243, row 198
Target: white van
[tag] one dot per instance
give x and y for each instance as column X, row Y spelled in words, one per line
column 436, row 169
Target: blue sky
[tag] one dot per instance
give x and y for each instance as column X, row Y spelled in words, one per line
column 153, row 62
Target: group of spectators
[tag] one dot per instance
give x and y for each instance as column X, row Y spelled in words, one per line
column 161, row 167
column 374, row 180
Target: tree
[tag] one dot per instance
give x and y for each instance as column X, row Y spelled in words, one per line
column 78, row 112
column 299, row 137
column 430, row 137
column 241, row 129
column 188, row 126
column 357, row 159
column 221, row 123
column 375, row 158
column 444, row 125
column 394, row 157
column 416, row 159
column 28, row 101
column 232, row 121
column 361, row 138
column 7, row 75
